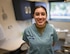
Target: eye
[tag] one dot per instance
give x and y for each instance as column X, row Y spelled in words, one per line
column 37, row 14
column 43, row 13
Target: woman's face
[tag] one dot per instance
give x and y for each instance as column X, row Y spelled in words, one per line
column 40, row 16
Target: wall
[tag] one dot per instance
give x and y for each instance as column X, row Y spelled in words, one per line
column 68, row 0
column 12, row 28
column 9, row 24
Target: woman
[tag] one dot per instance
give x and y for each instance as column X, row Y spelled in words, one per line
column 41, row 36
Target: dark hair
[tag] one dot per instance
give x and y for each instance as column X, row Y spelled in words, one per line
column 39, row 7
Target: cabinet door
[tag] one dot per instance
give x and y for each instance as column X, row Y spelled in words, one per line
column 22, row 9
column 26, row 10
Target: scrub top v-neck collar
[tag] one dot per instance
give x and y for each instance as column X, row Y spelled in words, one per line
column 39, row 34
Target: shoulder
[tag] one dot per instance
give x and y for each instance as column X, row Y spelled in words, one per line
column 50, row 25
column 29, row 28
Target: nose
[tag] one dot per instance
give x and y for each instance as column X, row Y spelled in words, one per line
column 40, row 16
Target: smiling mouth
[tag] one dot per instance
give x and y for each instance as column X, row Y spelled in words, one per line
column 40, row 20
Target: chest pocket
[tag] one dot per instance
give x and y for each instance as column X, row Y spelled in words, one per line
column 30, row 37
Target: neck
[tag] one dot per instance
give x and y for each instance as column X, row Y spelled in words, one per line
column 41, row 29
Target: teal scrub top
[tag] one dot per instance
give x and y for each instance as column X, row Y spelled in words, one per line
column 40, row 43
